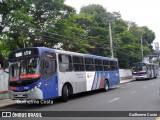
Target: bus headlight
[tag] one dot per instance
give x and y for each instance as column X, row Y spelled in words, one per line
column 36, row 87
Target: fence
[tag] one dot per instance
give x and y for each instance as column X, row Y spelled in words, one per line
column 125, row 74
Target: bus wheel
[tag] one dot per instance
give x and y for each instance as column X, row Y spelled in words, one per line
column 106, row 86
column 65, row 93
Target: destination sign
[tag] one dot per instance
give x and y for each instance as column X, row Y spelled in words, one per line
column 23, row 53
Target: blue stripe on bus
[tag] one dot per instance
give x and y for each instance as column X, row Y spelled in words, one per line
column 99, row 79
column 94, row 82
column 99, row 76
column 50, row 87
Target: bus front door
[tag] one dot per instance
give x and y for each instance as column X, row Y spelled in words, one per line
column 50, row 79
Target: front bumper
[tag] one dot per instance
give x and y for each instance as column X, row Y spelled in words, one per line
column 140, row 77
column 36, row 94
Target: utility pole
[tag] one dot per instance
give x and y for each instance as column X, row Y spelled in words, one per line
column 110, row 34
column 142, row 47
column 110, row 37
column 156, row 44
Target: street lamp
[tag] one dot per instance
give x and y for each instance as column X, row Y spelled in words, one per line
column 110, row 34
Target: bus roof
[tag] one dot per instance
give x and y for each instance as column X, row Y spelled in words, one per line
column 75, row 53
column 42, row 49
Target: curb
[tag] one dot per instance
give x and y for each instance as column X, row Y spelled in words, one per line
column 126, row 81
column 6, row 106
column 3, row 95
column 7, row 103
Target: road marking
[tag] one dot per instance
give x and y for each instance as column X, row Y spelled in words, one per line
column 145, row 87
column 133, row 92
column 113, row 100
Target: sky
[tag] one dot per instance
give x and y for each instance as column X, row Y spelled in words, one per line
column 142, row 12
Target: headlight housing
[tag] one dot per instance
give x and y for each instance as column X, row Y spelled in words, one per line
column 36, row 87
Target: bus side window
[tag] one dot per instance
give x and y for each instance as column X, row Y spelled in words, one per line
column 98, row 65
column 116, row 65
column 65, row 63
column 78, row 63
column 106, row 65
column 89, row 64
column 113, row 65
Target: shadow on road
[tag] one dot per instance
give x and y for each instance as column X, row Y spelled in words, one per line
column 145, row 79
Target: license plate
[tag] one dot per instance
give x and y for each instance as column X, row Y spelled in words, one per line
column 19, row 95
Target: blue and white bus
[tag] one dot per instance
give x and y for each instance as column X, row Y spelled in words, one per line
column 45, row 73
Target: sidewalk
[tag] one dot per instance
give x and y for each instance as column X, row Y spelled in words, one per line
column 126, row 80
column 8, row 102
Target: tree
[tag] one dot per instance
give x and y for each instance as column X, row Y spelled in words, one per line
column 97, row 11
column 71, row 33
column 27, row 20
column 51, row 23
column 97, row 32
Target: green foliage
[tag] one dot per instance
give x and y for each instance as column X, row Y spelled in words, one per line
column 51, row 23
column 27, row 20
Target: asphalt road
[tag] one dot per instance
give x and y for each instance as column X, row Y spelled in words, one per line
column 133, row 96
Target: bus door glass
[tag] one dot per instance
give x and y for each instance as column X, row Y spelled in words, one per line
column 152, row 68
column 148, row 70
column 50, row 76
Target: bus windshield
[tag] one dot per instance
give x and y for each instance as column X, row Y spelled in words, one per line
column 139, row 68
column 25, row 69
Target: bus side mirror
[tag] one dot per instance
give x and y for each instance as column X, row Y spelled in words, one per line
column 5, row 66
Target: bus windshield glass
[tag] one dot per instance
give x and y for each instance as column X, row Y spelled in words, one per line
column 139, row 68
column 25, row 69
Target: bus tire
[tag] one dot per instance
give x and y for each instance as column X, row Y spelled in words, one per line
column 106, row 86
column 65, row 93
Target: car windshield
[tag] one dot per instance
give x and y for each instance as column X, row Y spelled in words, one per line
column 28, row 66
